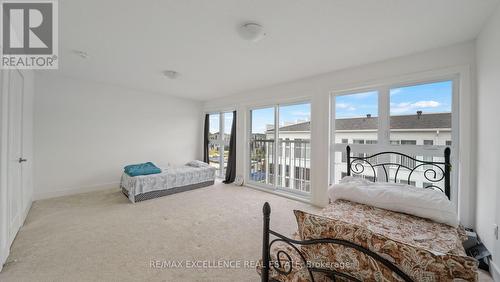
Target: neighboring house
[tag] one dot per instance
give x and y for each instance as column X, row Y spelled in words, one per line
column 294, row 148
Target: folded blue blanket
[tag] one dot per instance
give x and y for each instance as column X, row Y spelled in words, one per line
column 142, row 169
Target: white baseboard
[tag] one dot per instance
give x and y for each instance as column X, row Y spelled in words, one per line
column 495, row 271
column 74, row 191
column 3, row 257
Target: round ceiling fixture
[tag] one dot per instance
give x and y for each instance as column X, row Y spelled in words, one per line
column 170, row 74
column 251, row 31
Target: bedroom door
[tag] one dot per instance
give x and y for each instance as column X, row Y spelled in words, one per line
column 15, row 153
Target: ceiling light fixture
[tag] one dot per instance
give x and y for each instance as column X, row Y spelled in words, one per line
column 252, row 31
column 81, row 54
column 170, row 74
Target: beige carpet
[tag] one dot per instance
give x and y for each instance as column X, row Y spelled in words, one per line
column 100, row 236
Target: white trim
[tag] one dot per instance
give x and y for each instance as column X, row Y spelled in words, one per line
column 74, row 191
column 494, row 271
column 281, row 193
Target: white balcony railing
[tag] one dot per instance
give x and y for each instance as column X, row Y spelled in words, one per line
column 290, row 169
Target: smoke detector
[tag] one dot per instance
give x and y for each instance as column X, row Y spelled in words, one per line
column 251, row 31
column 170, row 74
column 81, row 54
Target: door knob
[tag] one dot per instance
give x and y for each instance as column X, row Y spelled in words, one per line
column 20, row 160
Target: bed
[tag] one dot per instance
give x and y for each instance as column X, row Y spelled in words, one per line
column 349, row 241
column 171, row 180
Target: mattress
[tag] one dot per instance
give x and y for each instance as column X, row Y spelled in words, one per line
column 169, row 178
column 423, row 233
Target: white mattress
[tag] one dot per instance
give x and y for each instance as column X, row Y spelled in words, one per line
column 170, row 177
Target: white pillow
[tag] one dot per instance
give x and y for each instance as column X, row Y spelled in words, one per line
column 197, row 163
column 426, row 203
column 355, row 180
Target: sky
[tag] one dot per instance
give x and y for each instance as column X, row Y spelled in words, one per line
column 214, row 122
column 428, row 98
column 287, row 114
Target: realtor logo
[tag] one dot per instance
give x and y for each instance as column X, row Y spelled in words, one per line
column 29, row 34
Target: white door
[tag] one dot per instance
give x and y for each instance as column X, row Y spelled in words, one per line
column 15, row 153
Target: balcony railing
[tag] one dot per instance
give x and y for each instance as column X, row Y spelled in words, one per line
column 291, row 167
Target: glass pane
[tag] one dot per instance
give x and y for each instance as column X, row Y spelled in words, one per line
column 356, row 122
column 356, row 117
column 214, row 156
column 262, row 145
column 424, row 176
column 421, row 114
column 294, row 150
column 228, row 123
column 214, row 128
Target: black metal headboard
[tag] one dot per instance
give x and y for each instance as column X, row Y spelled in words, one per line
column 434, row 172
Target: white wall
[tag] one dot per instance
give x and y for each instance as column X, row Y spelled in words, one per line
column 458, row 59
column 488, row 135
column 85, row 132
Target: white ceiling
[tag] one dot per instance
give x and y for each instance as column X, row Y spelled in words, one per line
column 131, row 42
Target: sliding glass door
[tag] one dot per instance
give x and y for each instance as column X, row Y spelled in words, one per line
column 219, row 136
column 280, row 148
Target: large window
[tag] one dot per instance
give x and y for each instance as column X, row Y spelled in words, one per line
column 219, row 136
column 414, row 119
column 280, row 147
column 356, row 122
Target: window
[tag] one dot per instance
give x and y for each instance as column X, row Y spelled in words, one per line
column 281, row 134
column 214, row 145
column 428, row 142
column 262, row 146
column 219, row 136
column 356, row 119
column 414, row 119
column 405, row 181
column 421, row 111
column 408, row 142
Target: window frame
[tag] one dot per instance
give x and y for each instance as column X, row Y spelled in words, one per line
column 383, row 129
column 276, row 166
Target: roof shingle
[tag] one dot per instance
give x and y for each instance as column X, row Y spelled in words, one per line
column 424, row 121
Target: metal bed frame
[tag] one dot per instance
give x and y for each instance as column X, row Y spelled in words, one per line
column 434, row 172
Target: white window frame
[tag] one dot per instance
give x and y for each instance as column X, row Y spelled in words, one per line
column 383, row 130
column 274, row 187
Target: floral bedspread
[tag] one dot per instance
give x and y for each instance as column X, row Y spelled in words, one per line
column 423, row 233
column 423, row 249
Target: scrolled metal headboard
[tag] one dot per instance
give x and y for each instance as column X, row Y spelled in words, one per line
column 434, row 172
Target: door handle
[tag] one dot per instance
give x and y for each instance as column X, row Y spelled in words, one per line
column 20, row 160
